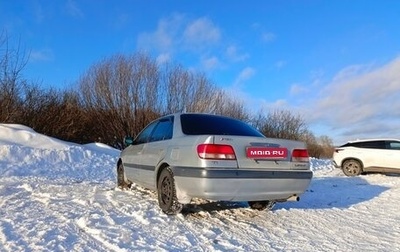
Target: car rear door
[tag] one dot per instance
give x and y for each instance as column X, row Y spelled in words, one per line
column 393, row 154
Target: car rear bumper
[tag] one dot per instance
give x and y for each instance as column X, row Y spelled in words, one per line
column 240, row 185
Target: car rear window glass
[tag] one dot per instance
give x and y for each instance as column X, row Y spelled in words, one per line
column 201, row 124
column 394, row 145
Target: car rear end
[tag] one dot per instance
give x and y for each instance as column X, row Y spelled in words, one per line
column 242, row 168
column 345, row 152
column 338, row 156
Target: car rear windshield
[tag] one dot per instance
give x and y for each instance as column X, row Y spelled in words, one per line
column 201, row 124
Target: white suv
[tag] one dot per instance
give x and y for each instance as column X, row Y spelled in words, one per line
column 369, row 155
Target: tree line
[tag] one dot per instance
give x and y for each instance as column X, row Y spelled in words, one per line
column 119, row 95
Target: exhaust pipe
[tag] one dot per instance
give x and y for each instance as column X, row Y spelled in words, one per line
column 293, row 198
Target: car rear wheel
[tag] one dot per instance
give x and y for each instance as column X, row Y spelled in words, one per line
column 262, row 205
column 352, row 167
column 167, row 193
column 122, row 182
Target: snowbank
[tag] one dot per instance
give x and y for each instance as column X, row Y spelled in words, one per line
column 25, row 152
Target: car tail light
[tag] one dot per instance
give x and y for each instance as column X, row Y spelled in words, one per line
column 216, row 151
column 300, row 155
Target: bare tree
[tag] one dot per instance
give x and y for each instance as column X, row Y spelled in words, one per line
column 12, row 62
column 201, row 94
column 177, row 82
column 124, row 93
column 54, row 113
column 281, row 124
column 121, row 92
column 187, row 91
column 227, row 105
column 314, row 150
column 326, row 145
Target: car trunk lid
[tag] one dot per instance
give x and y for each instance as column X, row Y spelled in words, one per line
column 266, row 153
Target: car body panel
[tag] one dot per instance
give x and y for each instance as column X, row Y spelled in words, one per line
column 217, row 179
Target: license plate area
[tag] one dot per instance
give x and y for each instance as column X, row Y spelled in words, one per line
column 272, row 153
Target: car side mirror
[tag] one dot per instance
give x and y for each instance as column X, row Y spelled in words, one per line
column 128, row 140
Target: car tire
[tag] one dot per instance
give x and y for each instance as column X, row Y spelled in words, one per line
column 122, row 182
column 352, row 168
column 166, row 191
column 262, row 205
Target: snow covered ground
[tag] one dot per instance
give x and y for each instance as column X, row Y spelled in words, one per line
column 59, row 196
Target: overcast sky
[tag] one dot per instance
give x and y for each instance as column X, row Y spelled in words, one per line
column 337, row 63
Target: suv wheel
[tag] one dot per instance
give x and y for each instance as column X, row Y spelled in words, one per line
column 352, row 167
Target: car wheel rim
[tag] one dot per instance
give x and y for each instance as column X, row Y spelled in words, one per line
column 166, row 190
column 352, row 168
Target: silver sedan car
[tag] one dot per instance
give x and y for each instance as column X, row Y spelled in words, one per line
column 190, row 155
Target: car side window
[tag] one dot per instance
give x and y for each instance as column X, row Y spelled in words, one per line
column 394, row 145
column 144, row 136
column 163, row 130
column 372, row 145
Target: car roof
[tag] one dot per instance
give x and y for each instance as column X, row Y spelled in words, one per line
column 177, row 114
column 372, row 139
column 198, row 113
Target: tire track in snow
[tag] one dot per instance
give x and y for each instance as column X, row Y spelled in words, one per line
column 49, row 205
column 232, row 229
column 154, row 226
column 141, row 206
column 221, row 232
column 80, row 213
